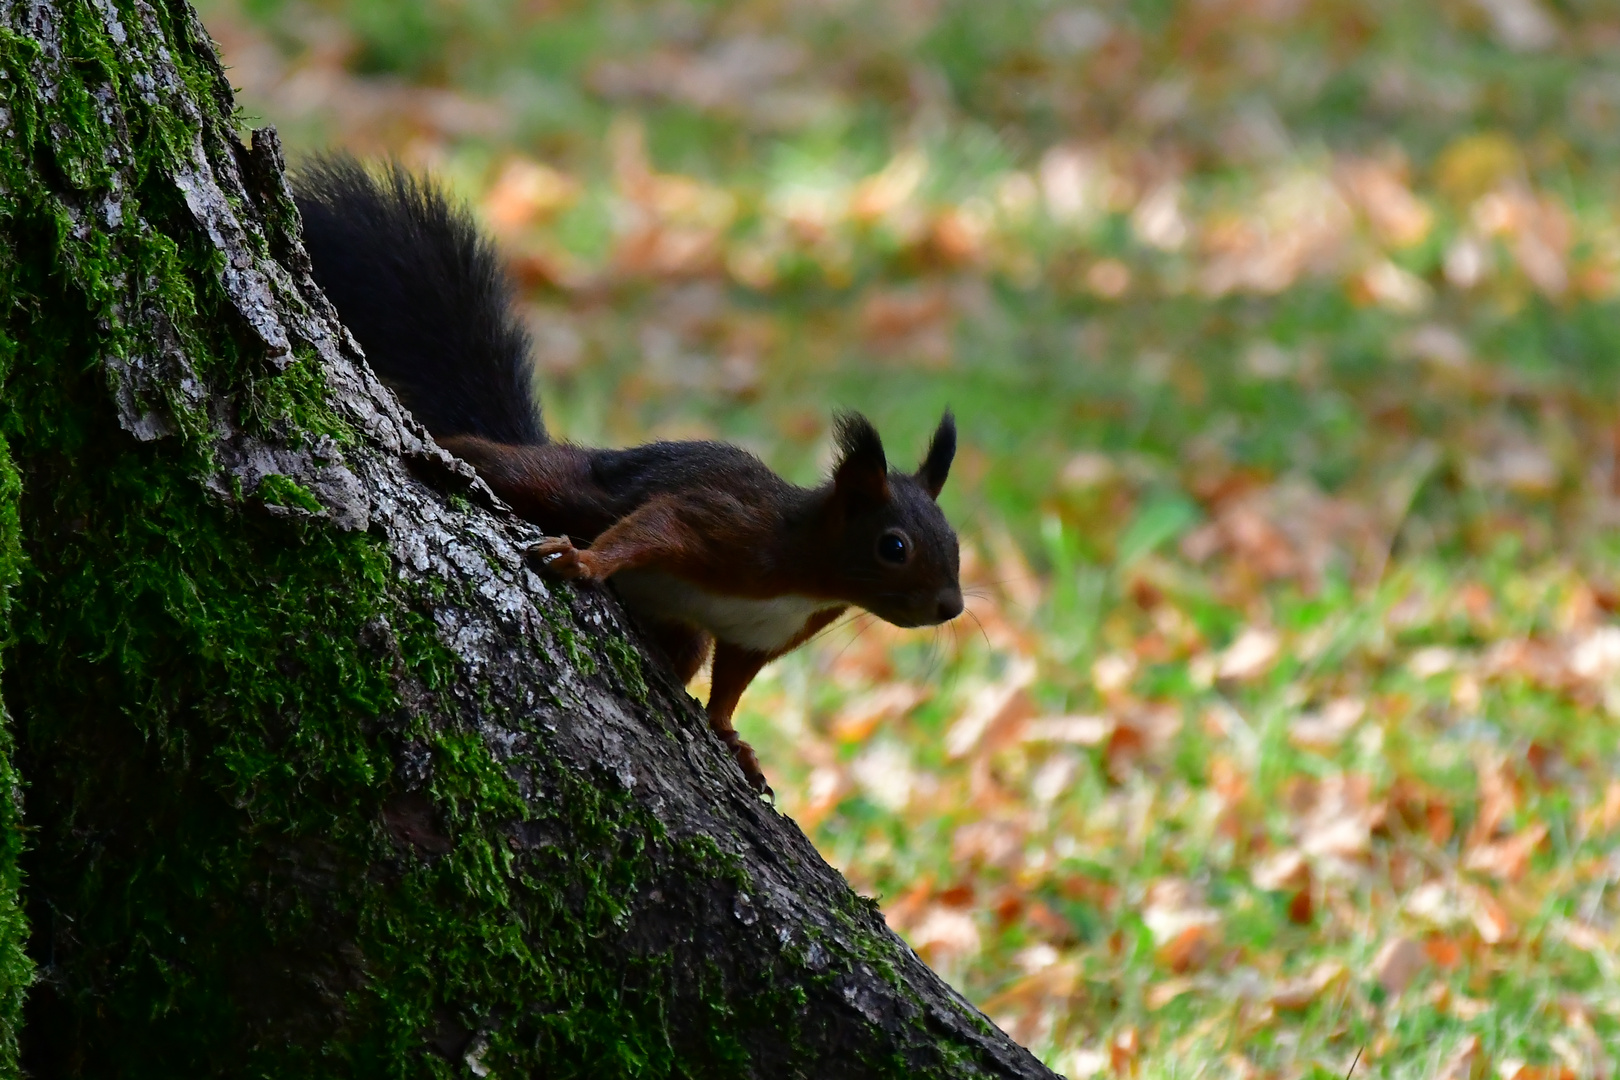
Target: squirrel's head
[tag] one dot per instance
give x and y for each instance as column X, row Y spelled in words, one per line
column 895, row 552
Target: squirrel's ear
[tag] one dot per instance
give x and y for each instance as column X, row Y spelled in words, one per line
column 863, row 472
column 941, row 449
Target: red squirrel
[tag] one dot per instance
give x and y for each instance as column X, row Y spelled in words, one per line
column 703, row 543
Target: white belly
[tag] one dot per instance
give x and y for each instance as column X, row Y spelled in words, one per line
column 763, row 625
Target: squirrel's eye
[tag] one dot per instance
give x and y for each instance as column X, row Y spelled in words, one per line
column 893, row 548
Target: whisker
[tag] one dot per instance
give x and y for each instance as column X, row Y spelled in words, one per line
column 982, row 631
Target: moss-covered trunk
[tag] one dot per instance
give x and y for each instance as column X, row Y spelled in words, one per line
column 320, row 779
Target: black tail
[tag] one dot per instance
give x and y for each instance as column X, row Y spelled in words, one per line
column 424, row 295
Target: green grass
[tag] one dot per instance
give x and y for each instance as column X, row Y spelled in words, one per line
column 1285, row 350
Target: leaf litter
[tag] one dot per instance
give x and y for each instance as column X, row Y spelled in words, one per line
column 1281, row 729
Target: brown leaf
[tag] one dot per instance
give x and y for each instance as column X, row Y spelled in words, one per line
column 1378, row 189
column 1074, row 730
column 856, row 720
column 1507, row 859
column 1468, row 1062
column 1296, row 994
column 945, row 933
column 988, row 842
column 1398, row 963
column 1285, row 869
column 1491, row 919
column 1250, row 656
column 1511, row 1069
column 1184, row 926
column 1302, row 908
column 1163, row 993
column 1123, row 1052
column 527, row 192
column 1336, row 818
column 1049, row 923
column 1327, row 728
column 894, row 315
column 1444, row 951
column 1002, row 705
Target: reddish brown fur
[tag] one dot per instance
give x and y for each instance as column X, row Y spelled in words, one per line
column 708, row 538
column 712, row 516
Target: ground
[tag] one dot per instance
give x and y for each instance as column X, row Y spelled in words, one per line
column 1283, row 340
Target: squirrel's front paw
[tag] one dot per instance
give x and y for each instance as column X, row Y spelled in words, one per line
column 559, row 557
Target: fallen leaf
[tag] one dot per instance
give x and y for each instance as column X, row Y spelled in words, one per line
column 1378, row 189
column 1498, row 798
column 893, row 317
column 945, row 933
column 1596, row 656
column 998, row 704
column 1299, row 993
column 1250, row 656
column 1184, row 927
column 1302, row 907
column 527, row 192
column 1123, row 1051
column 885, row 775
column 1444, row 951
column 1436, row 904
column 1112, row 673
column 1085, row 1062
column 1189, row 949
column 1285, row 869
column 856, row 720
column 1338, row 819
column 1491, row 920
column 1163, row 993
column 1581, row 936
column 1431, row 660
column 1512, row 1069
column 991, row 842
column 1326, row 729
column 1397, row 964
column 1074, row 730
column 1467, row 1062
column 1087, row 469
column 887, row 190
column 1506, row 859
column 1390, row 286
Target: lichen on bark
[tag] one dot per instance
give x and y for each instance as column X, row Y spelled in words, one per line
column 322, row 780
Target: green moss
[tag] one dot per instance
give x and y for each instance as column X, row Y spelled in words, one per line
column 291, row 403
column 16, row 970
column 563, row 632
column 275, row 490
column 627, row 664
column 215, row 702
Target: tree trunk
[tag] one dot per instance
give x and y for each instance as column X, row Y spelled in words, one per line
column 321, row 780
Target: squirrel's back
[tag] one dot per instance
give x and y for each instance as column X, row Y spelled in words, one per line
column 424, row 294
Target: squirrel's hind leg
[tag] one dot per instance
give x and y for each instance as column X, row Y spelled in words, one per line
column 734, row 668
column 685, row 647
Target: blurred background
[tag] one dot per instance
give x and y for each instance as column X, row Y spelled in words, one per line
column 1283, row 339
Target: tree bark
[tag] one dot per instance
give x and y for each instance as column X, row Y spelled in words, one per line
column 321, row 780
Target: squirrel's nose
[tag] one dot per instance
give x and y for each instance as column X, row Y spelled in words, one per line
column 950, row 604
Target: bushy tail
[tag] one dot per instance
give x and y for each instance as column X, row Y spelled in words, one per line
column 424, row 294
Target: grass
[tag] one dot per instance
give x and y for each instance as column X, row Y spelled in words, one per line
column 1283, row 340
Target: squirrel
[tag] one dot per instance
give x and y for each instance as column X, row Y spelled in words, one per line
column 703, row 543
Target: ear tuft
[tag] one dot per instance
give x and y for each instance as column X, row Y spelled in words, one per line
column 863, row 471
column 936, row 464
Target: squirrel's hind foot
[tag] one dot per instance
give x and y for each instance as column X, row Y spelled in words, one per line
column 744, row 754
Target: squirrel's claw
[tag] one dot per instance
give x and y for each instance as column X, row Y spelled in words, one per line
column 744, row 755
column 559, row 557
